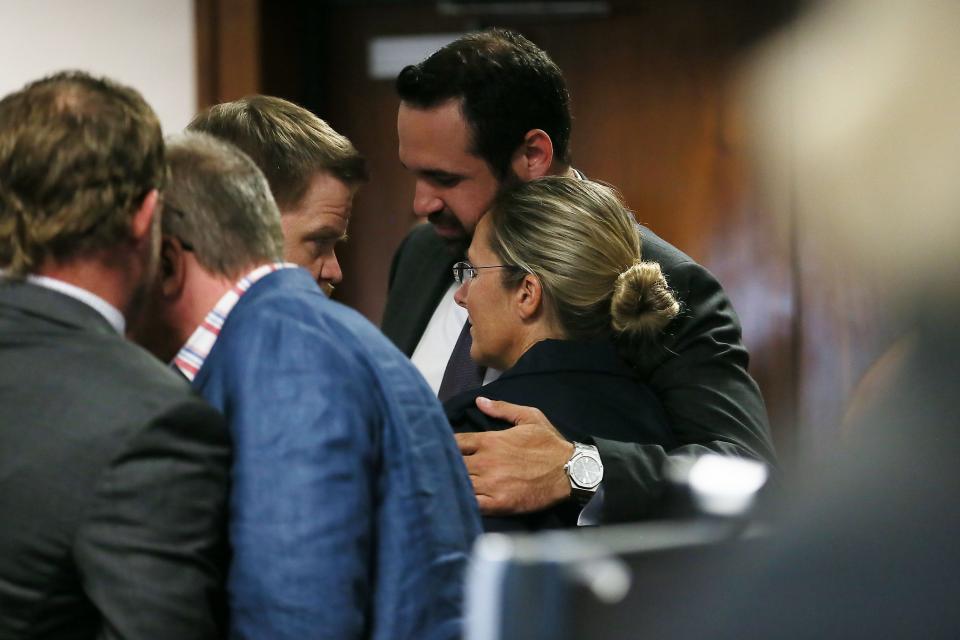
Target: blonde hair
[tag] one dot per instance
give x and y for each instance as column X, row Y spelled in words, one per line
column 287, row 142
column 581, row 242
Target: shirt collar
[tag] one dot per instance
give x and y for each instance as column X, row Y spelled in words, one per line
column 193, row 354
column 110, row 313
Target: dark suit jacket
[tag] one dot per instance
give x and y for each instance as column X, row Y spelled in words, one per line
column 698, row 371
column 585, row 390
column 113, row 482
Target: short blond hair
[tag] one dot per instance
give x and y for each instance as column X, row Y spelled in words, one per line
column 288, row 143
column 581, row 242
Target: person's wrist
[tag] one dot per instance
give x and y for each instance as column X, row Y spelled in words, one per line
column 563, row 490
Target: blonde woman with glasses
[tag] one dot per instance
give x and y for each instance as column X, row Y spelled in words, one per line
column 561, row 301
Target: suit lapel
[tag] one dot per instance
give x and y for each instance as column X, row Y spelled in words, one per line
column 417, row 291
column 434, row 278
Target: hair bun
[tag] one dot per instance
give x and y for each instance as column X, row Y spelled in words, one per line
column 642, row 303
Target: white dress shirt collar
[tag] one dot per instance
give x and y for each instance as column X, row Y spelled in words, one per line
column 110, row 313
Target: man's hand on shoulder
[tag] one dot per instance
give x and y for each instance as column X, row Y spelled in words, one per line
column 520, row 469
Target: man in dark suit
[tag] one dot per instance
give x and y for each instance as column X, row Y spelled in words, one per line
column 351, row 513
column 487, row 110
column 113, row 478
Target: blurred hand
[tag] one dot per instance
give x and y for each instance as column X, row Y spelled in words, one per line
column 520, row 469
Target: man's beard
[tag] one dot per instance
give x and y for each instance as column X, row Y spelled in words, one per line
column 456, row 245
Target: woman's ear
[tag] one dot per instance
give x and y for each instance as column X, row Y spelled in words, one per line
column 173, row 267
column 529, row 297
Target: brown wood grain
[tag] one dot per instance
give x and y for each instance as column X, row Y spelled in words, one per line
column 653, row 115
column 228, row 36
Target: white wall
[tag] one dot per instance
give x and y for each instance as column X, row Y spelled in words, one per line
column 147, row 44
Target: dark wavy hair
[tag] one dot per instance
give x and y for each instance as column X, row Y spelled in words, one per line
column 508, row 87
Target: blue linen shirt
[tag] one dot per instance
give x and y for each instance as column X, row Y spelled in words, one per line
column 351, row 512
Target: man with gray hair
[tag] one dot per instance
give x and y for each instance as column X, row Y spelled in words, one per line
column 351, row 514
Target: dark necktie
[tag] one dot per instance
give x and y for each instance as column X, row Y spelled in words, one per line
column 462, row 373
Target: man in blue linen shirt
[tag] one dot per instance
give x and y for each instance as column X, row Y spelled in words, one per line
column 351, row 514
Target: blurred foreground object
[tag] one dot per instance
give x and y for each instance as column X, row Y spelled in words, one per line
column 586, row 583
column 599, row 582
column 855, row 116
column 720, row 486
column 860, row 103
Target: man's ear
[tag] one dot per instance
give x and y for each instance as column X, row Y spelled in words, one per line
column 172, row 271
column 529, row 297
column 534, row 157
column 143, row 216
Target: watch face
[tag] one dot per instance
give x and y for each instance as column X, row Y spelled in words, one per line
column 586, row 472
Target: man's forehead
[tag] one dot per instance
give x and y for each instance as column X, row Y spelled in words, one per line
column 324, row 210
column 326, row 193
column 321, row 228
column 328, row 220
column 434, row 138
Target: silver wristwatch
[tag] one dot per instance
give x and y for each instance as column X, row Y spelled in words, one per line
column 585, row 471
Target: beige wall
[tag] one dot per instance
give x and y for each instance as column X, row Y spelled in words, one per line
column 148, row 44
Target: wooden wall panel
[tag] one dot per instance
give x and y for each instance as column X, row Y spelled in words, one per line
column 651, row 87
column 365, row 110
column 658, row 123
column 651, row 117
column 228, row 50
column 845, row 328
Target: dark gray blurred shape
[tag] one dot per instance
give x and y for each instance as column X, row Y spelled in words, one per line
column 588, row 583
column 861, row 100
column 868, row 550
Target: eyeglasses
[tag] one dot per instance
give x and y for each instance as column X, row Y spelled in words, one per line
column 464, row 272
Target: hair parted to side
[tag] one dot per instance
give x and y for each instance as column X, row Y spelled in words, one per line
column 288, row 143
column 78, row 154
column 507, row 85
column 579, row 239
column 219, row 202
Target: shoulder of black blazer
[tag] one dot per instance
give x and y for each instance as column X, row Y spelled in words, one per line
column 419, row 275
